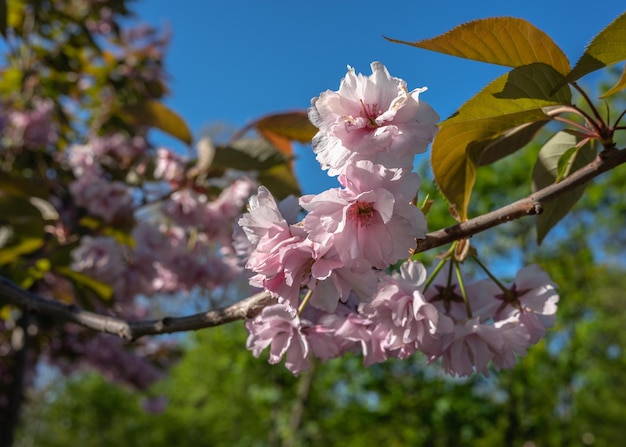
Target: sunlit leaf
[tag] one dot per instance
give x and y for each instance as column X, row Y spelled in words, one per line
column 457, row 148
column 295, row 126
column 524, row 88
column 156, row 114
column 607, row 48
column 248, row 155
column 24, row 245
column 15, row 15
column 618, row 87
column 35, row 273
column 507, row 41
column 281, row 143
column 80, row 280
column 545, row 173
column 280, row 180
column 511, row 107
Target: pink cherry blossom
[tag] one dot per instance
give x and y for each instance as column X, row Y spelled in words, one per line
column 533, row 299
column 278, row 327
column 264, row 220
column 367, row 222
column 470, row 347
column 369, row 117
column 33, row 129
column 400, row 312
column 102, row 198
column 102, row 257
column 169, row 166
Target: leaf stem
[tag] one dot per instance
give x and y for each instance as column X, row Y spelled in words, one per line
column 593, row 108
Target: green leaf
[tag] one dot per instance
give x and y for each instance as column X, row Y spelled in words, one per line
column 618, row 87
column 507, row 41
column 24, row 245
column 545, row 173
column 521, row 89
column 21, row 228
column 564, row 164
column 19, row 186
column 607, row 48
column 546, row 166
column 494, row 123
column 81, row 281
column 457, row 148
column 508, row 143
column 156, row 114
column 248, row 155
column 281, row 181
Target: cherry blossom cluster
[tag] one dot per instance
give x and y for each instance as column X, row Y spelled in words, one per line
column 330, row 271
column 170, row 236
column 186, row 242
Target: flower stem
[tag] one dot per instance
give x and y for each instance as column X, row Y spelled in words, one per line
column 304, row 302
column 459, row 277
column 493, row 278
column 437, row 269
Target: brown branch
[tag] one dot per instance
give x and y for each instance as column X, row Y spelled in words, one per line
column 131, row 330
column 251, row 306
column 528, row 206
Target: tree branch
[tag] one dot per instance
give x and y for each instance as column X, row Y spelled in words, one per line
column 251, row 306
column 131, row 330
column 531, row 205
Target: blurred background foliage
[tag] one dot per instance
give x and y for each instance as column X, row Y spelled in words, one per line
column 569, row 390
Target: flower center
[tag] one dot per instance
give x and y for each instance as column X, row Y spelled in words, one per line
column 370, row 113
column 361, row 212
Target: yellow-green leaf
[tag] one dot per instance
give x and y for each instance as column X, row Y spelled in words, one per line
column 507, row 41
column 283, row 128
column 564, row 164
column 457, row 148
column 483, row 125
column 618, row 87
column 156, row 114
column 524, row 88
column 248, row 155
column 607, row 48
column 280, row 180
column 295, row 126
column 21, row 247
column 80, row 280
column 545, row 173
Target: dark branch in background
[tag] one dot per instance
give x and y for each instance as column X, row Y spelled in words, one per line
column 251, row 306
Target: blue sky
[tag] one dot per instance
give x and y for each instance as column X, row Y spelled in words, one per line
column 234, row 61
